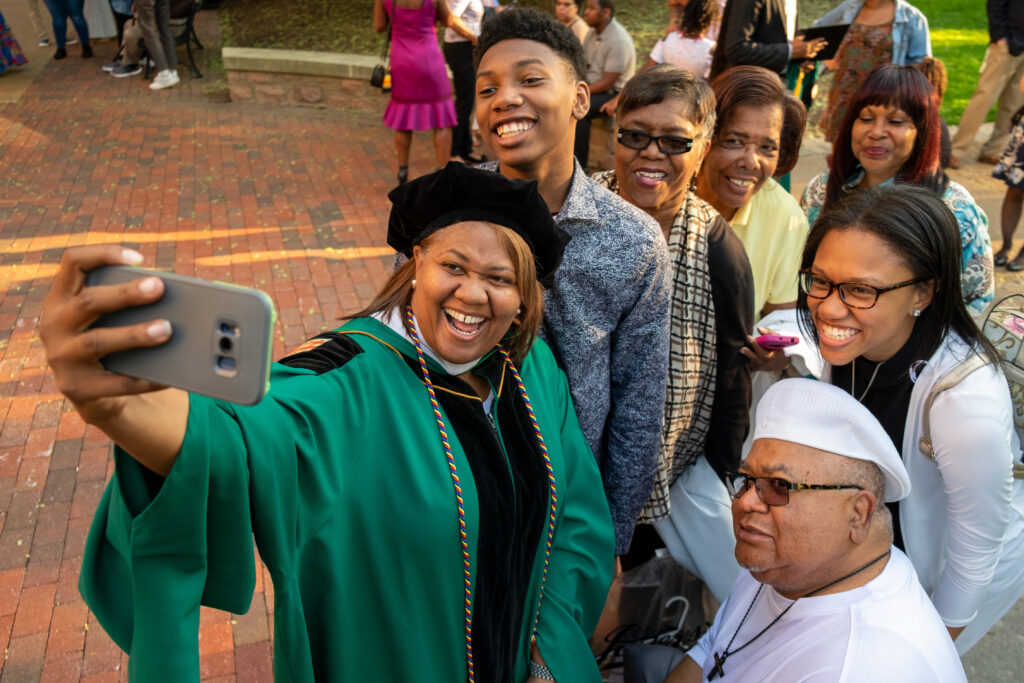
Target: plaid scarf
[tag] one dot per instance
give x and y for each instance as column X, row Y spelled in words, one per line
column 692, row 357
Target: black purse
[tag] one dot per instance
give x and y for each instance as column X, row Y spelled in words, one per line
column 381, row 69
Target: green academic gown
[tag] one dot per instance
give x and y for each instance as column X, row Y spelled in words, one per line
column 340, row 476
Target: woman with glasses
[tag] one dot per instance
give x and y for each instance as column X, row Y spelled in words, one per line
column 880, row 294
column 757, row 134
column 416, row 481
column 892, row 134
column 665, row 119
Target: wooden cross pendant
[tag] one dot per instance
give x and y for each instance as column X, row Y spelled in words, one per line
column 717, row 670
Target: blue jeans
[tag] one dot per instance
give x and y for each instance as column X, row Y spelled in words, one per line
column 60, row 10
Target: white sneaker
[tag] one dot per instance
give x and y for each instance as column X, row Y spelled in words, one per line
column 165, row 79
column 44, row 42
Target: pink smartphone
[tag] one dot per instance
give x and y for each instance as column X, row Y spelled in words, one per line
column 770, row 342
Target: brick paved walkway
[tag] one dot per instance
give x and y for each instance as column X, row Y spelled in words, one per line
column 285, row 199
column 289, row 200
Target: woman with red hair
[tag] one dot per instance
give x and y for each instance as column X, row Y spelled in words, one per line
column 891, row 134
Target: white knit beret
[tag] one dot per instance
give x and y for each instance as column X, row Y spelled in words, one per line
column 819, row 415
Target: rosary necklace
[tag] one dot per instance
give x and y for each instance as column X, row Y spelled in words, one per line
column 717, row 670
column 853, row 377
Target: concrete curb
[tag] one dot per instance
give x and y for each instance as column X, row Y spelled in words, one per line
column 299, row 62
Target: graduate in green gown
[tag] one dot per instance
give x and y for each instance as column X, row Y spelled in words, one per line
column 416, row 480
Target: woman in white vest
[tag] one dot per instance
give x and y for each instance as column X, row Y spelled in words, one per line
column 880, row 293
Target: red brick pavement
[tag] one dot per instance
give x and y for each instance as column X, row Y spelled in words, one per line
column 288, row 200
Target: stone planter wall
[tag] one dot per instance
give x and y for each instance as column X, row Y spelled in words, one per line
column 303, row 78
column 337, row 80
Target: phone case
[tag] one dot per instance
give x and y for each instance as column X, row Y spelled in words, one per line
column 772, row 342
column 220, row 341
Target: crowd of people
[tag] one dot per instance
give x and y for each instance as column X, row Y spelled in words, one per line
column 449, row 486
column 144, row 30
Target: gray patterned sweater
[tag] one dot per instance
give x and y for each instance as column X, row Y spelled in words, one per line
column 607, row 318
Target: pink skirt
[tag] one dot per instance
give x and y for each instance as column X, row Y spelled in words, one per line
column 420, row 115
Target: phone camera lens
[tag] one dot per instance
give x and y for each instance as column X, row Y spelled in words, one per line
column 226, row 345
column 229, row 329
column 225, row 363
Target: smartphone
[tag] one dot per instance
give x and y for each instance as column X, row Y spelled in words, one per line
column 221, row 335
column 771, row 342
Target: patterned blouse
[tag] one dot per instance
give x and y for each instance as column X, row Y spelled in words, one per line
column 977, row 275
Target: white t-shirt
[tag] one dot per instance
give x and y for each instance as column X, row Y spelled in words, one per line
column 611, row 51
column 692, row 54
column 791, row 11
column 885, row 630
column 472, row 14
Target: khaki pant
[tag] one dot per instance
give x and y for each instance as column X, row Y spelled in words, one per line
column 154, row 18
column 37, row 19
column 131, row 44
column 1000, row 75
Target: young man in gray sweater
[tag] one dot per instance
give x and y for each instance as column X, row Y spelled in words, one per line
column 607, row 315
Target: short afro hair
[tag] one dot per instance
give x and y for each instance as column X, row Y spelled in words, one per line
column 661, row 82
column 531, row 24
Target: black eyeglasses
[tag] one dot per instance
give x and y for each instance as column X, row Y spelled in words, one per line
column 667, row 144
column 773, row 491
column 853, row 294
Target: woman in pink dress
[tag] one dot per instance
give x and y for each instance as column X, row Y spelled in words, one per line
column 421, row 95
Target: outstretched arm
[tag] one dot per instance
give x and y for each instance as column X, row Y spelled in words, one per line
column 143, row 418
column 452, row 21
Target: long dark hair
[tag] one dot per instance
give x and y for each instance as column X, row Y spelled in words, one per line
column 697, row 17
column 905, row 88
column 924, row 233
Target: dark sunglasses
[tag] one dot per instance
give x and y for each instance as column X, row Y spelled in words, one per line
column 773, row 491
column 667, row 144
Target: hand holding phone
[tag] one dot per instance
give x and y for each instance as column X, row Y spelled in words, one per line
column 771, row 342
column 220, row 341
column 146, row 418
column 765, row 353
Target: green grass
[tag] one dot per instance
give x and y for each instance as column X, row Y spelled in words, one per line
column 344, row 26
column 958, row 29
column 959, row 33
column 347, row 25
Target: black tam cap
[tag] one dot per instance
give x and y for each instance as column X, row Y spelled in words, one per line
column 460, row 193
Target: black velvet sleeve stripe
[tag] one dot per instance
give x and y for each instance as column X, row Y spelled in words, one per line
column 333, row 353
